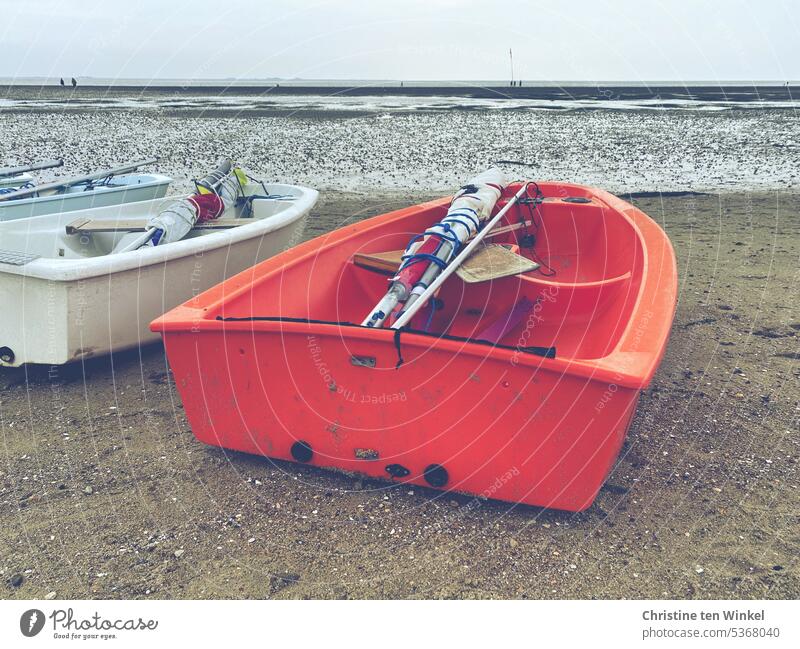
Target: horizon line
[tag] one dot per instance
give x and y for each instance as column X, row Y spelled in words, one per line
column 553, row 82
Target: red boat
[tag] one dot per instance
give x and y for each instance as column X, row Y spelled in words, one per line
column 519, row 387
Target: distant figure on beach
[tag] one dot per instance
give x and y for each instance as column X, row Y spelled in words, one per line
column 74, row 83
column 62, row 82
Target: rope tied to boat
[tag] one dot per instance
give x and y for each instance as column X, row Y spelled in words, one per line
column 528, row 240
column 400, row 360
column 444, row 231
column 11, row 190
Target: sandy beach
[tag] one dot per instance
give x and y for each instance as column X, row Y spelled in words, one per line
column 105, row 493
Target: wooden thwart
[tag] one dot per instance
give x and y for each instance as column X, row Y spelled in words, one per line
column 90, row 226
column 491, row 261
column 385, row 262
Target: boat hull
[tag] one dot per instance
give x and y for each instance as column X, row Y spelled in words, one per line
column 68, row 310
column 152, row 186
column 497, row 429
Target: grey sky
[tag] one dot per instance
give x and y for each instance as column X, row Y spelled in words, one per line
column 415, row 39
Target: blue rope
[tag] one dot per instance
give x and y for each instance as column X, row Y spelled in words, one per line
column 11, row 190
column 422, row 256
column 430, row 315
column 443, row 230
column 475, row 220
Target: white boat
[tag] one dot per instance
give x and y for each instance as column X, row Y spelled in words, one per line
column 115, row 190
column 69, row 295
column 16, row 181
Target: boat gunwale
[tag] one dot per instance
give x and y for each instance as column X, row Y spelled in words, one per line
column 622, row 366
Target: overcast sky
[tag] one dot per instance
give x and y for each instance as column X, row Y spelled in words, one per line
column 685, row 40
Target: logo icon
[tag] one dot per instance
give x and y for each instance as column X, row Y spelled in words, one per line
column 31, row 622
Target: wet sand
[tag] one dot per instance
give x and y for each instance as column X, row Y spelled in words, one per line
column 488, row 90
column 105, row 493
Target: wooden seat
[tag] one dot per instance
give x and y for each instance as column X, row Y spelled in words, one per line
column 488, row 262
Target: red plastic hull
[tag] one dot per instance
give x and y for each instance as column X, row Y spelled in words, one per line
column 432, row 410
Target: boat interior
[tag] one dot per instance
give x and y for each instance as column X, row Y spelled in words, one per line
column 112, row 182
column 16, row 181
column 577, row 302
column 99, row 231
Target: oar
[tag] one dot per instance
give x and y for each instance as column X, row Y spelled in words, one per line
column 5, row 172
column 59, row 184
column 411, row 311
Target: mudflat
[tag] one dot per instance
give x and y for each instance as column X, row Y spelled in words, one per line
column 105, row 493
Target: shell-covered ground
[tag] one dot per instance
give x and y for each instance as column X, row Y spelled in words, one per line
column 622, row 151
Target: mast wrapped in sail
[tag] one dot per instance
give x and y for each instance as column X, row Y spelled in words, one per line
column 427, row 254
column 215, row 193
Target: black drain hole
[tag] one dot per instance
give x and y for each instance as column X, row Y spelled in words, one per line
column 7, row 354
column 436, row 475
column 302, row 451
column 397, row 470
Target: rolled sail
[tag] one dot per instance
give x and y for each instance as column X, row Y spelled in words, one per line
column 430, row 252
column 216, row 192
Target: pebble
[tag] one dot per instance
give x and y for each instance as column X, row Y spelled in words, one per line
column 88, row 490
column 513, row 543
column 16, row 580
column 179, row 553
column 50, row 595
